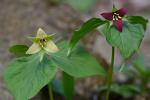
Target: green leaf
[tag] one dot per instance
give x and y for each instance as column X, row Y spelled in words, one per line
column 128, row 41
column 139, row 64
column 18, row 50
column 68, row 84
column 25, row 76
column 126, row 90
column 78, row 64
column 87, row 27
column 138, row 20
column 140, row 70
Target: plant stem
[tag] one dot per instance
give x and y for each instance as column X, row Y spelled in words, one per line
column 68, row 84
column 110, row 74
column 50, row 92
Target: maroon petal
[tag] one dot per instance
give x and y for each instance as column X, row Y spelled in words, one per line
column 122, row 12
column 118, row 25
column 108, row 16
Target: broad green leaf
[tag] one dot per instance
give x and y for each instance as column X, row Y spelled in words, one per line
column 78, row 64
column 57, row 86
column 82, row 5
column 138, row 20
column 140, row 70
column 68, row 84
column 87, row 27
column 128, row 41
column 18, row 50
column 139, row 64
column 25, row 76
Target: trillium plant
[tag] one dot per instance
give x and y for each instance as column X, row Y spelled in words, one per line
column 36, row 66
column 121, row 32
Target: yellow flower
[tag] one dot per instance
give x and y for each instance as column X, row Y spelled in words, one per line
column 42, row 41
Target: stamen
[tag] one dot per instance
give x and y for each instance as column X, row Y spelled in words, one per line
column 42, row 42
column 119, row 17
column 115, row 13
column 116, row 16
column 113, row 17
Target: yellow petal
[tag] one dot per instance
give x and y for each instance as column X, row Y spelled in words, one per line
column 41, row 33
column 33, row 49
column 51, row 47
column 51, row 35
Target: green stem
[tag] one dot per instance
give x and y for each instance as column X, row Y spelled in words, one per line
column 68, row 84
column 110, row 74
column 50, row 92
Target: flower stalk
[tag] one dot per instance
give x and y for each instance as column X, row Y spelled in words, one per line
column 50, row 92
column 110, row 74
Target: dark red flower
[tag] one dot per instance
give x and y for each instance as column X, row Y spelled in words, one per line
column 116, row 17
